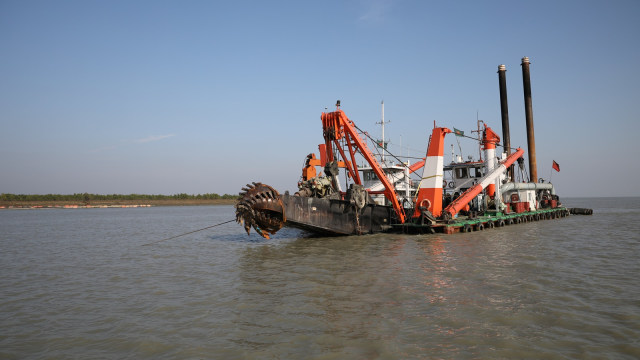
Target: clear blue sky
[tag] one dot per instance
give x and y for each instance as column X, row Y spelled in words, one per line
column 164, row 97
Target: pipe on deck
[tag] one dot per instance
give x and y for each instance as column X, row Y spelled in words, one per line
column 509, row 187
column 460, row 202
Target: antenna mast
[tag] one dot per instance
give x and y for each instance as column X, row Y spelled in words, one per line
column 382, row 122
column 479, row 131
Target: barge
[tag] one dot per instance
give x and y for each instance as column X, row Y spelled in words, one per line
column 335, row 196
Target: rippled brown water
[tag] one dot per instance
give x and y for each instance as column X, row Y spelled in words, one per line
column 78, row 284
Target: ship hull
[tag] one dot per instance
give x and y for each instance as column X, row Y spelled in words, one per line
column 335, row 217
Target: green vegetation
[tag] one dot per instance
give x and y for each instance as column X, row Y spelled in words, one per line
column 87, row 198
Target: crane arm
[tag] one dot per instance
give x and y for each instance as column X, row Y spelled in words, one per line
column 473, row 191
column 417, row 166
column 337, row 125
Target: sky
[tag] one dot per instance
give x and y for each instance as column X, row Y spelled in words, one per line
column 166, row 97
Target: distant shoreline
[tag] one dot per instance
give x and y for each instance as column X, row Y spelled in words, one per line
column 17, row 204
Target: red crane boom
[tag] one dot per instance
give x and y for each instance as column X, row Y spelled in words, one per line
column 336, row 125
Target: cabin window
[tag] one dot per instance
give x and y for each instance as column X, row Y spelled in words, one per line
column 477, row 172
column 461, row 173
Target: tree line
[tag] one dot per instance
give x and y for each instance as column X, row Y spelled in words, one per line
column 89, row 197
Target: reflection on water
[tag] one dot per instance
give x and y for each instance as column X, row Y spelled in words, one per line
column 77, row 283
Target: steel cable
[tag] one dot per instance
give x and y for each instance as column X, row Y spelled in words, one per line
column 190, row 232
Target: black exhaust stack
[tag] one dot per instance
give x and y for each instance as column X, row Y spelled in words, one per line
column 504, row 109
column 531, row 142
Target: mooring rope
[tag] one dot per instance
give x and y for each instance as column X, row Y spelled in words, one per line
column 190, row 232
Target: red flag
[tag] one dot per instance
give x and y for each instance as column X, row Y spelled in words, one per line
column 555, row 166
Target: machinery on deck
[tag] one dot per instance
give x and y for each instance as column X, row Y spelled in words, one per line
column 461, row 203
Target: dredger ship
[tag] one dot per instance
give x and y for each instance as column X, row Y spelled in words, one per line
column 380, row 196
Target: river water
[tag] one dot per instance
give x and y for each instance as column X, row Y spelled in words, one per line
column 82, row 283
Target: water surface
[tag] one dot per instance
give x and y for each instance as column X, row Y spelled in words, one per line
column 79, row 283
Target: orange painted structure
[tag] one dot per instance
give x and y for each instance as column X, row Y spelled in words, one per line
column 466, row 197
column 430, row 190
column 338, row 130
